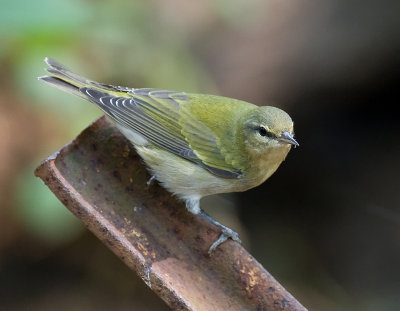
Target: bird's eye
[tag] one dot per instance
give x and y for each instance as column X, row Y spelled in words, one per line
column 263, row 132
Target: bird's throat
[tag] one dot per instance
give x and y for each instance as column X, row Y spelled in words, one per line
column 266, row 163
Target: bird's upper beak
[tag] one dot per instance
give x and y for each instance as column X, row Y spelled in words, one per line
column 286, row 137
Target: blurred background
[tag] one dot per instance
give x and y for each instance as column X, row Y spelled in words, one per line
column 326, row 225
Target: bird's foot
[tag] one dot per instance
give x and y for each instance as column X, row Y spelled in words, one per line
column 225, row 235
column 193, row 206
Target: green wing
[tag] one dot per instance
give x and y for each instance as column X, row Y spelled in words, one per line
column 160, row 116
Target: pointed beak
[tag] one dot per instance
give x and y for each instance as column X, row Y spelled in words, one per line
column 287, row 138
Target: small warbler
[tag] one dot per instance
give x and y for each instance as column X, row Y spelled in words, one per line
column 195, row 145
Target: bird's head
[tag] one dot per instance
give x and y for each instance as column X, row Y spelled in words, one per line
column 266, row 127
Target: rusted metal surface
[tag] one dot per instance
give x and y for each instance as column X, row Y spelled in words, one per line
column 101, row 179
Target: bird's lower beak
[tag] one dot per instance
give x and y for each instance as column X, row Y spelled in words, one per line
column 287, row 138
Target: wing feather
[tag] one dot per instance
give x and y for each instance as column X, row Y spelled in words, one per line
column 157, row 116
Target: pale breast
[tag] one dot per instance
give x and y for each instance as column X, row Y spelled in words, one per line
column 187, row 179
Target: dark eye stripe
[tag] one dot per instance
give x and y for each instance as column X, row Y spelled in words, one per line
column 263, row 132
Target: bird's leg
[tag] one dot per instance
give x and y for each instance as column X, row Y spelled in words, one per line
column 193, row 206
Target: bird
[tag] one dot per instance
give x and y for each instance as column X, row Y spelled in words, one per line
column 195, row 145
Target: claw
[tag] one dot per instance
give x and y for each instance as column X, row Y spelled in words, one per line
column 150, row 180
column 222, row 238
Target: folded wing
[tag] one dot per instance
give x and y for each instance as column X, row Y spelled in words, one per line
column 160, row 117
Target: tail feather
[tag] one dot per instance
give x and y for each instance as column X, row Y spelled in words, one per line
column 59, row 70
column 64, row 79
column 70, row 82
column 62, row 85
